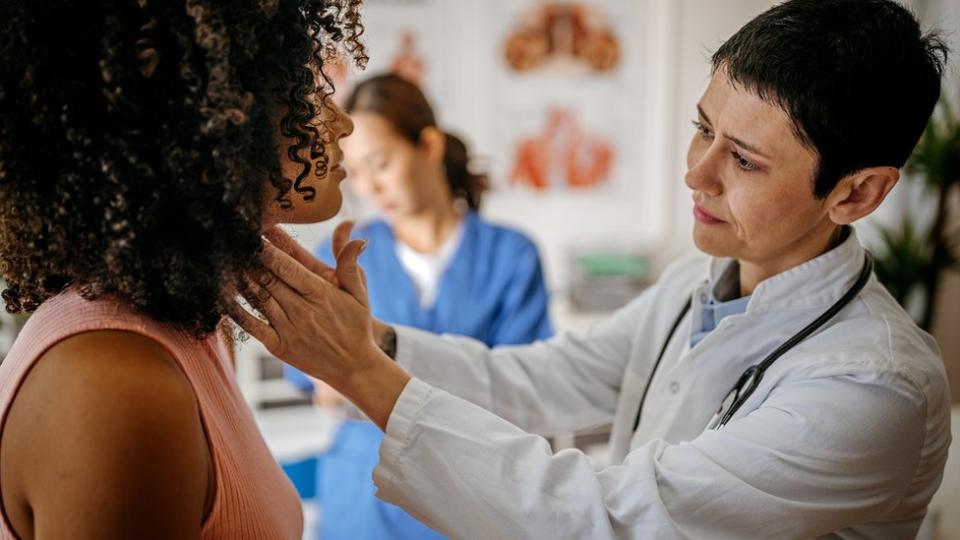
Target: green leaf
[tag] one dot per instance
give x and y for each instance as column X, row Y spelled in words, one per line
column 937, row 156
column 902, row 260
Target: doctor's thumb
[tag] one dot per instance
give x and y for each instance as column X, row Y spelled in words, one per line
column 349, row 274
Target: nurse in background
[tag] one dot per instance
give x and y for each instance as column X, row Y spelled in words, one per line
column 432, row 263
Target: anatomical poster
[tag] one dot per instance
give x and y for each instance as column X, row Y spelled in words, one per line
column 549, row 95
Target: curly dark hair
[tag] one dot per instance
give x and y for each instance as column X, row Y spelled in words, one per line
column 136, row 138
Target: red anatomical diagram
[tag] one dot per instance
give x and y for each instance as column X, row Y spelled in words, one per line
column 408, row 62
column 562, row 154
column 562, row 30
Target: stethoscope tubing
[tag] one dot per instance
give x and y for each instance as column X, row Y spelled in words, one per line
column 748, row 382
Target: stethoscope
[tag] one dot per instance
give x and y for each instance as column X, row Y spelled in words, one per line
column 751, row 378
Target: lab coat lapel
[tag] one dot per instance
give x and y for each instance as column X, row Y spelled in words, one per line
column 698, row 378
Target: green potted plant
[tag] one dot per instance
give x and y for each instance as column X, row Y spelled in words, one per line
column 912, row 258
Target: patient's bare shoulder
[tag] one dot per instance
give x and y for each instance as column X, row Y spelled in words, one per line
column 104, row 440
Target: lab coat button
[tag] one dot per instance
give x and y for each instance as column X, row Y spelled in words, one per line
column 674, row 387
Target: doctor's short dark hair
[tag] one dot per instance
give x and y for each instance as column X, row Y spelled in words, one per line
column 858, row 78
column 137, row 139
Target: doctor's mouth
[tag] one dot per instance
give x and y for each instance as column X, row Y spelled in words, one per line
column 705, row 217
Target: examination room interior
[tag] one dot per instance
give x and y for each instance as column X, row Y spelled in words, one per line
column 584, row 144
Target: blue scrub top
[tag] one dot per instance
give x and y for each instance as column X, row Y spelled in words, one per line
column 492, row 291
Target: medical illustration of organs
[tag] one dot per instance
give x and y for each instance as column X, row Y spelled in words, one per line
column 408, row 62
column 562, row 155
column 601, row 51
column 526, row 49
column 562, row 31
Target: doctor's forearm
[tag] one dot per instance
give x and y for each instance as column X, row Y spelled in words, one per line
column 375, row 390
column 539, row 387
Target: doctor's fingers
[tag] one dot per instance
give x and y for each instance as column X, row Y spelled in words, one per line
column 349, row 273
column 260, row 330
column 306, row 303
column 279, row 238
column 341, row 235
column 288, row 315
column 293, row 274
column 258, row 299
column 257, row 293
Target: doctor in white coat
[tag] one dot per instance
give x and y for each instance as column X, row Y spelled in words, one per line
column 771, row 390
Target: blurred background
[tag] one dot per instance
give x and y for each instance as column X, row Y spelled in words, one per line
column 580, row 112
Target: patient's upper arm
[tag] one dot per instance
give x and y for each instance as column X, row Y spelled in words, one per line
column 104, row 440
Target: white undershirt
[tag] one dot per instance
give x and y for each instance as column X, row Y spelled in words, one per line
column 426, row 269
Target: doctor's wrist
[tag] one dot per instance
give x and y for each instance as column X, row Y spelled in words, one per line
column 376, row 387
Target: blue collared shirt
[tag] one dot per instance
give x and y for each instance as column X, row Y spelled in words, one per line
column 712, row 310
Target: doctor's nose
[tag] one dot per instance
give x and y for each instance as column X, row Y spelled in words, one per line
column 703, row 173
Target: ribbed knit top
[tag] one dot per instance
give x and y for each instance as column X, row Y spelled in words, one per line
column 253, row 499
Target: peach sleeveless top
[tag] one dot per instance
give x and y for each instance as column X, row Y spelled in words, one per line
column 253, row 498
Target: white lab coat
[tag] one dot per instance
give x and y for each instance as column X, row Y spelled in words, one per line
column 846, row 436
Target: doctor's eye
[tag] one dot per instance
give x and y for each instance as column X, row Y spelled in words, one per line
column 705, row 132
column 743, row 162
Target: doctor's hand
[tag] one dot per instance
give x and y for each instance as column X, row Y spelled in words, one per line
column 341, row 237
column 384, row 333
column 320, row 323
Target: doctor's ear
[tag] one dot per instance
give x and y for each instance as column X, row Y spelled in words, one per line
column 860, row 193
column 434, row 143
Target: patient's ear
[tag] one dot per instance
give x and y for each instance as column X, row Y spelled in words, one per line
column 860, row 193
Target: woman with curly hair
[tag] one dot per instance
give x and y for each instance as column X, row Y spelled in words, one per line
column 144, row 147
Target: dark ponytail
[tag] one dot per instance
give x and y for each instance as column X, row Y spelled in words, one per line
column 464, row 185
column 402, row 104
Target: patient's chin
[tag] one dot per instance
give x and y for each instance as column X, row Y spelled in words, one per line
column 304, row 212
